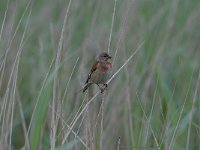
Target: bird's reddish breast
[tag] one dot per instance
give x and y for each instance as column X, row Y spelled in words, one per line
column 105, row 68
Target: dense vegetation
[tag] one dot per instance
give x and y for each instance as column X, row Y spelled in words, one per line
column 46, row 50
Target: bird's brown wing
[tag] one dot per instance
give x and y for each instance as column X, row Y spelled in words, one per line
column 94, row 67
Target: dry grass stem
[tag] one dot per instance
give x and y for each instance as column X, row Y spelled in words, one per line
column 156, row 141
column 150, row 115
column 182, row 109
column 111, row 29
column 192, row 111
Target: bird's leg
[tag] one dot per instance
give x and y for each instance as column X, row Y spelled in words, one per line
column 99, row 86
column 102, row 89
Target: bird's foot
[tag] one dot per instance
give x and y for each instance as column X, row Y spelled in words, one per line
column 105, row 86
column 102, row 88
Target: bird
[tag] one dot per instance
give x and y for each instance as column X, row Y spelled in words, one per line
column 99, row 72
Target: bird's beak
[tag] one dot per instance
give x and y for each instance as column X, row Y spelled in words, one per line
column 109, row 57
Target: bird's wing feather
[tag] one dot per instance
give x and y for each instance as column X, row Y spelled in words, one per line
column 94, row 67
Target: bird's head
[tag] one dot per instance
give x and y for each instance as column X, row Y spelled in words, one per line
column 104, row 57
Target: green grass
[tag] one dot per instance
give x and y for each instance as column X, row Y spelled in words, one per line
column 152, row 103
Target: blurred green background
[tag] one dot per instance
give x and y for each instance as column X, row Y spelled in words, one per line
column 153, row 103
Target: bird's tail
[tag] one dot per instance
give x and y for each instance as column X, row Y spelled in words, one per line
column 86, row 87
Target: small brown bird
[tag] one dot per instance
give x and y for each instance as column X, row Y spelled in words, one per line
column 100, row 71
